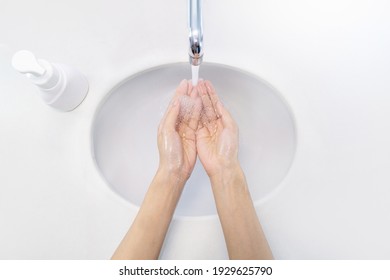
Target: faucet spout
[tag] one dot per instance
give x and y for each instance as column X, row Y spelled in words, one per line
column 195, row 50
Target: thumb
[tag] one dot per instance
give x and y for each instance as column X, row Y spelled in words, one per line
column 226, row 117
column 170, row 118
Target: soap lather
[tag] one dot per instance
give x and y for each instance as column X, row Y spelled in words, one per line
column 61, row 86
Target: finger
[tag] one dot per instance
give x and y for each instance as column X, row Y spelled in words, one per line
column 190, row 111
column 226, row 117
column 208, row 108
column 186, row 106
column 194, row 92
column 193, row 121
column 208, row 116
column 220, row 110
column 203, row 120
column 170, row 118
column 191, row 107
column 210, row 126
column 190, row 88
column 182, row 89
column 212, row 93
column 200, row 125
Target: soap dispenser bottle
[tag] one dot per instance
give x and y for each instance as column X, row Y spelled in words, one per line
column 61, row 86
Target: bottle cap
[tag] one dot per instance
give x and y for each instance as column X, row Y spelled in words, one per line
column 39, row 71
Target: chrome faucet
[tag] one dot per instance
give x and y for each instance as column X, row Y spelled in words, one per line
column 195, row 50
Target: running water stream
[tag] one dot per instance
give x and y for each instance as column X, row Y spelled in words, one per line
column 195, row 74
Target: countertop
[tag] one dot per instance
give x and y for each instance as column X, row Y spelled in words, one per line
column 329, row 59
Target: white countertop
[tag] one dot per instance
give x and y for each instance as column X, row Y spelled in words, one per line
column 329, row 59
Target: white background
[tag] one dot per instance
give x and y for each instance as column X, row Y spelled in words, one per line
column 329, row 59
column 302, row 270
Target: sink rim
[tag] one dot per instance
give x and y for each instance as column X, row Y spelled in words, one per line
column 279, row 187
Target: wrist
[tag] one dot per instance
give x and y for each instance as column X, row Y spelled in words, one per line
column 172, row 178
column 225, row 171
column 232, row 176
column 165, row 189
column 230, row 191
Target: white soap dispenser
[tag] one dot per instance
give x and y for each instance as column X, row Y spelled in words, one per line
column 61, row 86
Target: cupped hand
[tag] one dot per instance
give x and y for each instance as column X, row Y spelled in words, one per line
column 217, row 135
column 177, row 132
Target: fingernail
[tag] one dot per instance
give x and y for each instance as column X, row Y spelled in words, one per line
column 183, row 82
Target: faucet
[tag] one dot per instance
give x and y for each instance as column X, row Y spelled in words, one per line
column 195, row 50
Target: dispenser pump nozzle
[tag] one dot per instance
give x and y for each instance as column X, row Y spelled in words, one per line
column 26, row 62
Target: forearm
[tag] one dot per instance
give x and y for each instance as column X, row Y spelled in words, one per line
column 242, row 230
column 146, row 235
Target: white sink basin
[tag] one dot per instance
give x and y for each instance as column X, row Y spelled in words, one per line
column 125, row 130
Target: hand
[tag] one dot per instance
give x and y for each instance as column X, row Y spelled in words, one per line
column 217, row 135
column 177, row 132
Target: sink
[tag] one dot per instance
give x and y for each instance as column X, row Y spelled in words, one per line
column 125, row 130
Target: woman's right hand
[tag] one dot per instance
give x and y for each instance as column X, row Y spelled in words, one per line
column 177, row 133
column 217, row 135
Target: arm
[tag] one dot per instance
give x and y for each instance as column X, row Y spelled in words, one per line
column 217, row 145
column 243, row 233
column 177, row 150
column 147, row 233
